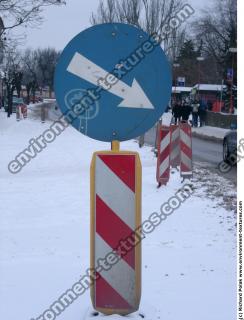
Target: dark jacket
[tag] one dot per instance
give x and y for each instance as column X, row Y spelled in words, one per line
column 186, row 111
column 176, row 110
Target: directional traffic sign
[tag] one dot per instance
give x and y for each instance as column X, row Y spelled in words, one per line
column 113, row 82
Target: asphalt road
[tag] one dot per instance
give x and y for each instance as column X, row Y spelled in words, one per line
column 206, row 152
column 209, row 153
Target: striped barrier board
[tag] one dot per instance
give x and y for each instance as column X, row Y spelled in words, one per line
column 115, row 214
column 175, row 146
column 163, row 162
column 18, row 113
column 185, row 150
column 24, row 110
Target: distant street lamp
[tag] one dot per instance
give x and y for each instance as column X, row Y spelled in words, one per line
column 199, row 59
column 233, row 51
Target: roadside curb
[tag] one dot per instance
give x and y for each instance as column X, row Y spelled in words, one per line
column 205, row 137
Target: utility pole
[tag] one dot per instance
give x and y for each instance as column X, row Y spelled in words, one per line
column 199, row 59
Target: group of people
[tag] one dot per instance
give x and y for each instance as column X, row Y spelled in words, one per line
column 182, row 110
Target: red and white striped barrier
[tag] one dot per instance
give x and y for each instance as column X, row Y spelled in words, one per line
column 175, row 146
column 163, row 163
column 18, row 113
column 24, row 110
column 185, row 150
column 115, row 214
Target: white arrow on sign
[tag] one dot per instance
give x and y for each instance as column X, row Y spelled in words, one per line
column 133, row 97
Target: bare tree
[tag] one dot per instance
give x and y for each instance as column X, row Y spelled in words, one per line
column 12, row 75
column 149, row 15
column 46, row 64
column 217, row 29
column 30, row 73
column 23, row 12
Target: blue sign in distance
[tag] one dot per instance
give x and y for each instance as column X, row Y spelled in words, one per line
column 113, row 82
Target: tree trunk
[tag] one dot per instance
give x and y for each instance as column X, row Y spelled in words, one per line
column 18, row 92
column 10, row 92
column 28, row 95
column 34, row 96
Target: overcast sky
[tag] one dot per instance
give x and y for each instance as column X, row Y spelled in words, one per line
column 63, row 23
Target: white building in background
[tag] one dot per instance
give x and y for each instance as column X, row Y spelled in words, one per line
column 179, row 92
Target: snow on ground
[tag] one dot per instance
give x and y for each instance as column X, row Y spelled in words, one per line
column 211, row 132
column 51, row 111
column 204, row 132
column 166, row 118
column 188, row 263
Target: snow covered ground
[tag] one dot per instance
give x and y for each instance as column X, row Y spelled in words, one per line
column 188, row 265
column 210, row 132
column 214, row 133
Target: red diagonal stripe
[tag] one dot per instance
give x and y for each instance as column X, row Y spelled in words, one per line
column 186, row 149
column 172, row 130
column 165, row 174
column 164, row 134
column 186, row 128
column 123, row 166
column 112, row 229
column 107, row 297
column 164, row 153
column 184, row 168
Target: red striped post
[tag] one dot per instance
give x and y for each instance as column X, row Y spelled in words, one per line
column 24, row 110
column 175, row 146
column 163, row 162
column 18, row 112
column 115, row 214
column 185, row 150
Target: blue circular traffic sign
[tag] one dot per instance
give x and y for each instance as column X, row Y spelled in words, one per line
column 113, row 82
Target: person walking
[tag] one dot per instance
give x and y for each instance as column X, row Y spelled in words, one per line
column 186, row 111
column 176, row 112
column 202, row 112
column 195, row 108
